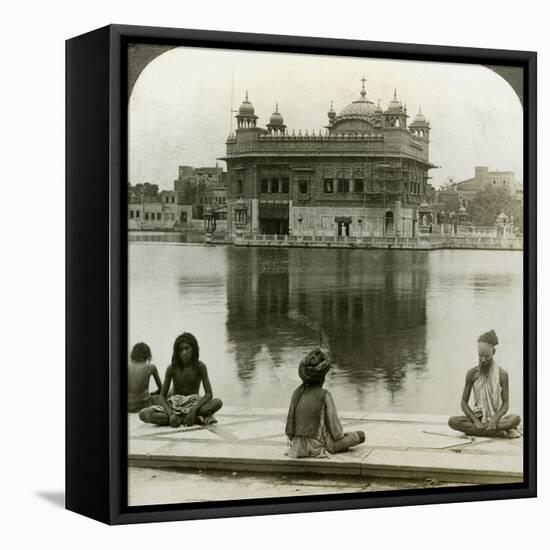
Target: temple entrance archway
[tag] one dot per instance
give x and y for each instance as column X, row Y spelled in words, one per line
column 343, row 223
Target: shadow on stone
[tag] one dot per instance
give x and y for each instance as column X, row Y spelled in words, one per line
column 57, row 498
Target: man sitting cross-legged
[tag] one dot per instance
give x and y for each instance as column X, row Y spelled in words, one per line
column 185, row 406
column 491, row 396
column 313, row 427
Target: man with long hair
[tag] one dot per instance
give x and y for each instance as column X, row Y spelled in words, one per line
column 185, row 406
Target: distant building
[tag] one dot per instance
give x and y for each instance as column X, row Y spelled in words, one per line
column 367, row 174
column 466, row 190
column 158, row 212
column 201, row 188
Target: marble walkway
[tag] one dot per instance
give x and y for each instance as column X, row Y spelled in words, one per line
column 397, row 446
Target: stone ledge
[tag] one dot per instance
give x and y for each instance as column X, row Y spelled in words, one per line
column 256, row 458
column 443, row 466
column 398, row 446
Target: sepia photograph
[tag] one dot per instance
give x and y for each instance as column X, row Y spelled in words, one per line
column 325, row 275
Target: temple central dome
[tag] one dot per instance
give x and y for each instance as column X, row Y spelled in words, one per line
column 360, row 107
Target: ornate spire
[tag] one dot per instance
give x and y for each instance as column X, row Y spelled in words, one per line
column 363, row 91
column 331, row 113
column 420, row 119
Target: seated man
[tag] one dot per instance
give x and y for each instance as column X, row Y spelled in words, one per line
column 491, row 396
column 140, row 370
column 312, row 426
column 185, row 406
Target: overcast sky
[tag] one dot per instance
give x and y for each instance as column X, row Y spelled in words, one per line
column 179, row 111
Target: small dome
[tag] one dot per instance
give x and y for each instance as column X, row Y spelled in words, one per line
column 395, row 104
column 420, row 119
column 378, row 109
column 276, row 118
column 331, row 113
column 246, row 108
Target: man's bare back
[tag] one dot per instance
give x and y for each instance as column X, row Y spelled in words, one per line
column 139, row 375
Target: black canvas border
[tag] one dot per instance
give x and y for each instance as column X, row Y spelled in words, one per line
column 113, row 441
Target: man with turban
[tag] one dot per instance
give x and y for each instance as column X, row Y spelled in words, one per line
column 489, row 383
column 312, row 426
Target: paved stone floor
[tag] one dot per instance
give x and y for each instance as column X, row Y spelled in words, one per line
column 176, row 486
column 397, row 446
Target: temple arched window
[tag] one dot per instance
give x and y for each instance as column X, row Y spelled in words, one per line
column 388, row 226
column 358, row 181
column 328, row 185
column 342, row 182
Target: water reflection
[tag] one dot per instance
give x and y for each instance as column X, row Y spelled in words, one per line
column 400, row 326
column 367, row 308
column 257, row 308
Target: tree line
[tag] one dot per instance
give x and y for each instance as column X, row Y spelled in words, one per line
column 486, row 206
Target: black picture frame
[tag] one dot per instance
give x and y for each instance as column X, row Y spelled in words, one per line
column 96, row 272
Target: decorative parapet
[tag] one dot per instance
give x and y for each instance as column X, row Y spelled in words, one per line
column 268, row 146
column 306, row 136
column 347, row 136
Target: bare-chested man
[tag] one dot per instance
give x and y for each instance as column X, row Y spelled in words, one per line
column 491, row 396
column 140, row 370
column 185, row 406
